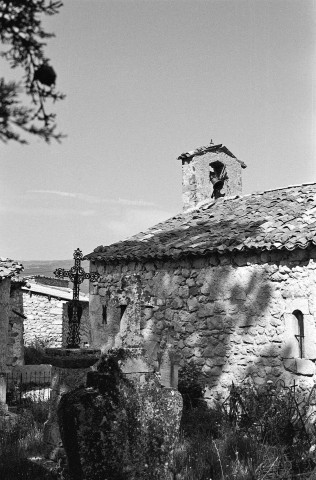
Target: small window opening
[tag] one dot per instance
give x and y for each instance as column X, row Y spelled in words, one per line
column 217, row 177
column 300, row 331
column 104, row 315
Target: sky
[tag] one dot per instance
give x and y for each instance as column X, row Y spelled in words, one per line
column 145, row 81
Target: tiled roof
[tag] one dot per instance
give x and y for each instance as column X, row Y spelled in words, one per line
column 52, row 291
column 210, row 148
column 277, row 219
column 9, row 268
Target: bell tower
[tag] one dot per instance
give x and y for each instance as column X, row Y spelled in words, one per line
column 210, row 172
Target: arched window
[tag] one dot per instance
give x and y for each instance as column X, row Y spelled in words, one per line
column 104, row 314
column 299, row 331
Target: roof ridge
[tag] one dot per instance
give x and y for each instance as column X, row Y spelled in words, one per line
column 283, row 188
column 202, row 203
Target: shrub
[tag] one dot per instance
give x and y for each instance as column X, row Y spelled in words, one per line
column 34, row 352
column 191, row 385
column 21, row 437
column 258, row 433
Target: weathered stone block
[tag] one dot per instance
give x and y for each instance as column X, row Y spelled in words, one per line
column 219, row 307
column 261, row 339
column 187, row 352
column 56, row 311
column 209, row 352
column 220, row 350
column 206, row 310
column 119, row 428
column 205, row 289
column 240, row 259
column 95, row 303
column 177, row 303
column 194, row 291
column 300, row 366
column 189, row 328
column 194, row 339
column 213, row 323
column 272, row 350
column 193, row 304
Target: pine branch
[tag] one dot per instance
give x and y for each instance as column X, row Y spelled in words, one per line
column 21, row 30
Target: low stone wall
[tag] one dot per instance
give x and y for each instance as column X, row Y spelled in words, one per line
column 230, row 314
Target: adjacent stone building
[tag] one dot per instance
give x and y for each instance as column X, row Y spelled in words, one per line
column 9, row 322
column 44, row 304
column 229, row 284
column 9, row 271
column 38, row 313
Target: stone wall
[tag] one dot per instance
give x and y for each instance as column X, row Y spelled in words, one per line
column 230, row 314
column 11, row 326
column 44, row 319
column 15, row 352
column 47, row 319
column 4, row 320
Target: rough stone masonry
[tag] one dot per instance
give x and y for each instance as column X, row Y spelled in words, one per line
column 125, row 423
column 230, row 282
column 230, row 314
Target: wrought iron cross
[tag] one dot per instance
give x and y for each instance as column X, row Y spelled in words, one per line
column 77, row 275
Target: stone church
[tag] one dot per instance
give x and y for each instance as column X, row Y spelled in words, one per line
column 229, row 283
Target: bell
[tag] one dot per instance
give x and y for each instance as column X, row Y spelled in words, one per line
column 217, row 182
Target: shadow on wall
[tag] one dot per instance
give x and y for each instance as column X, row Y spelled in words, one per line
column 225, row 326
column 224, row 318
column 269, row 365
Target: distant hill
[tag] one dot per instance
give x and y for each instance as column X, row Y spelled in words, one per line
column 47, row 268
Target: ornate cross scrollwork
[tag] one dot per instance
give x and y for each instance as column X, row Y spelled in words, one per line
column 76, row 275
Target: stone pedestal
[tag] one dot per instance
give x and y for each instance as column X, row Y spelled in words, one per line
column 124, row 424
column 70, row 368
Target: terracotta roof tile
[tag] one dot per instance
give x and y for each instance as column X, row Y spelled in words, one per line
column 276, row 219
column 53, row 291
column 9, row 268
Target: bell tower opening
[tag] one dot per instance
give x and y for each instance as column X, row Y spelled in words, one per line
column 209, row 173
column 218, row 175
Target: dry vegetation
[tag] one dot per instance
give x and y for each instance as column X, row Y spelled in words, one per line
column 257, row 434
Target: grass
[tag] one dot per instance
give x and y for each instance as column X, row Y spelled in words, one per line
column 255, row 435
column 231, row 456
column 21, row 437
column 258, row 434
